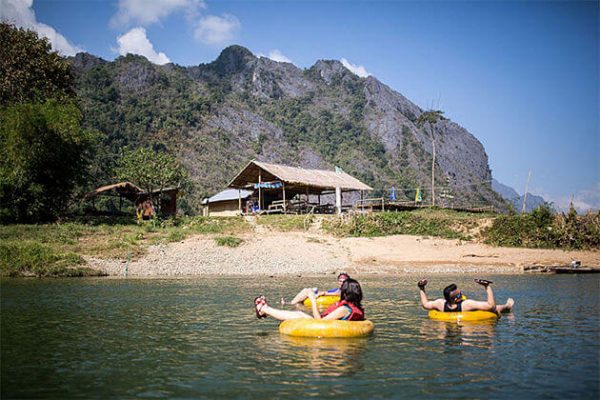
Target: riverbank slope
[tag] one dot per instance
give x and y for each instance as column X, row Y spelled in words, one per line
column 316, row 253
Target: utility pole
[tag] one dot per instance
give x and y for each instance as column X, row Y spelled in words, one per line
column 433, row 170
column 525, row 195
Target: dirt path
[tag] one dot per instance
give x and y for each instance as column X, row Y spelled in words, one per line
column 313, row 253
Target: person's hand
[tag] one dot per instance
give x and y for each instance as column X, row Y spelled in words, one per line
column 483, row 282
column 422, row 283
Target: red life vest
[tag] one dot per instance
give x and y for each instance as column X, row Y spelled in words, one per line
column 357, row 314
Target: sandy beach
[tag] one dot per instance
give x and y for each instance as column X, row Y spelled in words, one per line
column 314, row 253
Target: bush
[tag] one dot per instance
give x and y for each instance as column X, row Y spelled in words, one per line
column 446, row 224
column 229, row 241
column 32, row 258
column 542, row 229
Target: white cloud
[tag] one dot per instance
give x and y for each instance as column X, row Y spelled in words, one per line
column 136, row 42
column 215, row 30
column 585, row 200
column 355, row 69
column 21, row 14
column 278, row 56
column 146, row 12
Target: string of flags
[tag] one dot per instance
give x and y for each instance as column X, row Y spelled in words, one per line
column 268, row 185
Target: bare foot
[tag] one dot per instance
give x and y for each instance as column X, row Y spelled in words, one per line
column 259, row 303
column 505, row 308
column 282, row 301
column 510, row 303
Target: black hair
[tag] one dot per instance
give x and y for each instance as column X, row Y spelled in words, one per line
column 343, row 274
column 449, row 289
column 351, row 292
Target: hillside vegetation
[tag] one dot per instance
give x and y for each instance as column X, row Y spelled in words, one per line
column 216, row 117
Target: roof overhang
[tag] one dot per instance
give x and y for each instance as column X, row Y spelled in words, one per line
column 300, row 179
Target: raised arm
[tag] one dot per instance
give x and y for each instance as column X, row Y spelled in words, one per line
column 428, row 305
column 489, row 305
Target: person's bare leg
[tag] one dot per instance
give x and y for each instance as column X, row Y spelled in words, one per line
column 282, row 315
column 506, row 307
column 300, row 297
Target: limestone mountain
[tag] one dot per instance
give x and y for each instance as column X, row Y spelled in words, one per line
column 515, row 199
column 217, row 116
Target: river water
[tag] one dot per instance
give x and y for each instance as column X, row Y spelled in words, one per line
column 199, row 338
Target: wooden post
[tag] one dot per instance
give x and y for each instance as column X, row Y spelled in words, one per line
column 283, row 190
column 338, row 199
column 433, row 170
column 259, row 191
column 524, row 208
column 382, row 204
column 240, row 201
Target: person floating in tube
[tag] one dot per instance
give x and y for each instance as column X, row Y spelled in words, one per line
column 455, row 301
column 349, row 307
column 304, row 293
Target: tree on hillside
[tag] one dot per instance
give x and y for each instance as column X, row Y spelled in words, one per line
column 29, row 69
column 44, row 152
column 152, row 171
column 430, row 118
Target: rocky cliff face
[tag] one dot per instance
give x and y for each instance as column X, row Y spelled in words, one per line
column 217, row 116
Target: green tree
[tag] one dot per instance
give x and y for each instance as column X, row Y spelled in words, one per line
column 29, row 69
column 43, row 156
column 44, row 153
column 430, row 118
column 152, row 171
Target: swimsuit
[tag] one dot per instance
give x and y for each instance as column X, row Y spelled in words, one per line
column 448, row 309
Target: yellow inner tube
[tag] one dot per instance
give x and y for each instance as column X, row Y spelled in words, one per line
column 322, row 301
column 462, row 316
column 308, row 327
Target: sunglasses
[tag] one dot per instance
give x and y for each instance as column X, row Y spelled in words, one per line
column 458, row 296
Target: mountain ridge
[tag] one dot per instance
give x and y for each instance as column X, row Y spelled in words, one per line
column 216, row 116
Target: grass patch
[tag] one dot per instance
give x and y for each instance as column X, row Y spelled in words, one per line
column 229, row 241
column 29, row 258
column 542, row 229
column 57, row 249
column 286, row 223
column 439, row 223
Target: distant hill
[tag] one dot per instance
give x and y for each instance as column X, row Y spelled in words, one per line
column 216, row 117
column 515, row 199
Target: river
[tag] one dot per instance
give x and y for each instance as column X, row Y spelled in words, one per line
column 199, row 338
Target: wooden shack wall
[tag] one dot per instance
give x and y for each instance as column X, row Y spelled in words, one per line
column 226, row 208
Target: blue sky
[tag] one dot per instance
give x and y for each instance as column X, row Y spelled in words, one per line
column 523, row 77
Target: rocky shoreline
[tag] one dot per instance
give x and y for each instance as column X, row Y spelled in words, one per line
column 314, row 254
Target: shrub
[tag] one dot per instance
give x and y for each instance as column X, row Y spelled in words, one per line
column 542, row 229
column 229, row 241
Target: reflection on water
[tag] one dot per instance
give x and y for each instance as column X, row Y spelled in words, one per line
column 478, row 334
column 323, row 356
column 199, row 338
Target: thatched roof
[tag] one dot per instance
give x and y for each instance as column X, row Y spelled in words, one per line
column 296, row 177
column 125, row 189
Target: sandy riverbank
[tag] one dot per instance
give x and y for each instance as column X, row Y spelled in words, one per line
column 314, row 253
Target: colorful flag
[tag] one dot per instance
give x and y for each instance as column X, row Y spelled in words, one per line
column 418, row 197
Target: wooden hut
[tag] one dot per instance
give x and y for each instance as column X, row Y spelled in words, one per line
column 227, row 202
column 279, row 188
column 138, row 196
